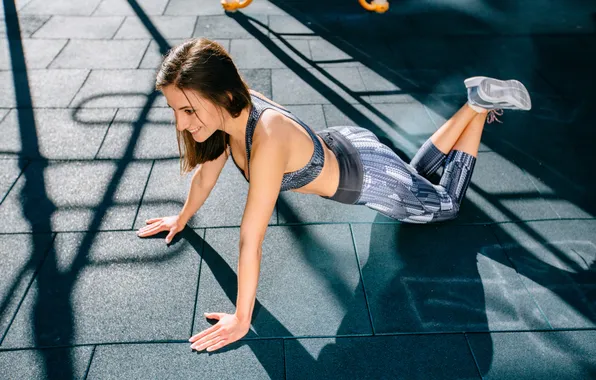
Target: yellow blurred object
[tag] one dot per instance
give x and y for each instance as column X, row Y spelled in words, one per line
column 379, row 6
column 233, row 5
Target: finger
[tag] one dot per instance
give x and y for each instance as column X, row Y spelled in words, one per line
column 171, row 235
column 203, row 333
column 202, row 344
column 153, row 220
column 151, row 231
column 208, row 337
column 145, row 228
column 218, row 345
column 214, row 315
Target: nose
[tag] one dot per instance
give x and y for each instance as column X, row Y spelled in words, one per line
column 179, row 123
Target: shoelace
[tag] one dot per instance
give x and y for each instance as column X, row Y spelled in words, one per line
column 492, row 115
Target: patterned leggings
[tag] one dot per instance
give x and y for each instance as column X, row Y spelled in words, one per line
column 402, row 191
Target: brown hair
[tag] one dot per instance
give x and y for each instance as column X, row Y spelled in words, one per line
column 205, row 67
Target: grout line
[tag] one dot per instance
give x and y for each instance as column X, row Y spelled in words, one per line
column 47, row 67
column 372, row 325
column 194, row 27
column 144, row 54
column 119, row 27
column 6, row 115
column 283, row 345
column 142, row 196
column 96, row 8
column 79, row 90
column 353, row 336
column 519, row 276
column 106, row 134
column 41, row 26
column 33, row 278
column 529, row 177
column 473, row 356
column 90, row 360
column 194, row 310
column 15, row 181
column 163, row 13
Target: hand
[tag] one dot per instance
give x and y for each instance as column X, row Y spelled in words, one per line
column 169, row 223
column 229, row 329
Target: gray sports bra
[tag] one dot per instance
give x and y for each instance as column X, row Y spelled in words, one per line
column 295, row 179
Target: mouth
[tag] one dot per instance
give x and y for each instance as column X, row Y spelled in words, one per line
column 193, row 131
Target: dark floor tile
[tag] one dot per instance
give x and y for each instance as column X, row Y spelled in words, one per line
column 381, row 357
column 167, row 191
column 441, row 278
column 223, row 26
column 57, row 133
column 114, row 55
column 21, row 257
column 57, row 363
column 258, row 80
column 167, row 26
column 38, row 53
column 500, row 191
column 48, row 88
column 9, row 172
column 253, row 54
column 557, row 263
column 535, row 355
column 61, row 7
column 108, row 287
column 76, row 27
column 118, row 88
column 73, row 195
column 309, row 282
column 249, row 360
column 158, row 126
column 123, row 8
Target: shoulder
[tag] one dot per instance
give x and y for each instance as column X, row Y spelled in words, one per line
column 273, row 127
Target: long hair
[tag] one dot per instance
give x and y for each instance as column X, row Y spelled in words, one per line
column 205, row 67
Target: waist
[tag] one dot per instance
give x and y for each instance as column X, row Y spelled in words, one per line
column 351, row 173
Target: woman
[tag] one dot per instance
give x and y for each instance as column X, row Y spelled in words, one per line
column 217, row 117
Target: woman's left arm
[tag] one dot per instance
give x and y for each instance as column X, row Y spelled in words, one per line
column 267, row 165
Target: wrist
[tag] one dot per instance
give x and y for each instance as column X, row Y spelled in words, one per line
column 243, row 318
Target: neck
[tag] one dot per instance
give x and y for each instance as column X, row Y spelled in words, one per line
column 236, row 127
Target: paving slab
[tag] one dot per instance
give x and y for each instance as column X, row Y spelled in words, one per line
column 73, row 194
column 48, row 88
column 167, row 190
column 288, row 27
column 123, row 8
column 57, row 133
column 327, row 54
column 14, row 6
column 57, row 363
column 386, row 87
column 309, row 282
column 249, row 360
column 109, row 287
column 185, row 7
column 310, row 86
column 258, row 80
column 157, row 138
column 78, row 27
column 114, row 55
column 9, row 172
column 253, row 54
column 167, row 27
column 118, row 88
column 500, row 191
column 535, row 355
column 28, row 24
column 386, row 357
column 38, row 53
column 21, row 256
column 223, row 26
column 441, row 278
column 311, row 115
column 61, row 7
column 556, row 261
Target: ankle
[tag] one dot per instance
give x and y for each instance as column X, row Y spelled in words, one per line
column 477, row 109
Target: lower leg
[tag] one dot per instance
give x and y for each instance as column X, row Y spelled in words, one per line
column 469, row 140
column 433, row 152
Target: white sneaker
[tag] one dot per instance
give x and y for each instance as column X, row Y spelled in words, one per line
column 492, row 93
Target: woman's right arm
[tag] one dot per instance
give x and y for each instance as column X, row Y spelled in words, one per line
column 203, row 181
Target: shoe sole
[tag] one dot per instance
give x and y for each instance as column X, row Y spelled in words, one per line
column 510, row 91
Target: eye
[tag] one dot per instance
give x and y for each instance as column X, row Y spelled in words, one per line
column 189, row 111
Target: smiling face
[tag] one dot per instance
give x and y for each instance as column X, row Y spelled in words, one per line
column 193, row 113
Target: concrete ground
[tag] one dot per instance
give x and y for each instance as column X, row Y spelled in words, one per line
column 88, row 153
